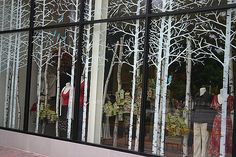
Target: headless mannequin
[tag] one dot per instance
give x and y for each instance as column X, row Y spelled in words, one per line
column 200, row 120
column 66, row 88
column 214, row 143
column 65, row 94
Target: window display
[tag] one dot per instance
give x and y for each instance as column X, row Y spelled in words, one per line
column 86, row 79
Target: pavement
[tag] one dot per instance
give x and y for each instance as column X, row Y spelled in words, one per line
column 13, row 152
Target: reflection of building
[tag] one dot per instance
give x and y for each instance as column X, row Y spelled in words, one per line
column 115, row 47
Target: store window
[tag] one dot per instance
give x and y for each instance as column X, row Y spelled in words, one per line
column 96, row 70
column 192, row 63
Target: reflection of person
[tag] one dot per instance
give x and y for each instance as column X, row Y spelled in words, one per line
column 214, row 144
column 201, row 123
column 65, row 95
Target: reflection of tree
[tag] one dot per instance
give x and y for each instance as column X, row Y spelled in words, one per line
column 87, row 60
column 217, row 26
column 44, row 44
column 12, row 56
column 168, row 36
column 42, row 56
column 134, row 33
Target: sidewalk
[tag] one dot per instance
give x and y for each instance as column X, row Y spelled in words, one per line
column 11, row 152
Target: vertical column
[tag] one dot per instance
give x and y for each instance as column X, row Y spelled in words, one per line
column 29, row 67
column 97, row 73
column 145, row 77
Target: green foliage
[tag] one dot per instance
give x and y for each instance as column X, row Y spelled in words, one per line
column 46, row 113
column 175, row 124
column 121, row 106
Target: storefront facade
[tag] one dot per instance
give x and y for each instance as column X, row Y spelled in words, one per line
column 156, row 77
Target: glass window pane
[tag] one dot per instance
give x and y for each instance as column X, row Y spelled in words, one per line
column 14, row 14
column 113, row 63
column 51, row 12
column 102, row 9
column 13, row 64
column 52, row 87
column 192, row 65
column 174, row 5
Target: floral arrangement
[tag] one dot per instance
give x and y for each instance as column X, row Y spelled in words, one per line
column 46, row 113
column 175, row 124
column 123, row 100
column 121, row 106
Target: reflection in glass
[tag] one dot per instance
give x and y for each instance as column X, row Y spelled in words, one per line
column 14, row 14
column 13, row 61
column 188, row 53
column 51, row 12
column 52, row 89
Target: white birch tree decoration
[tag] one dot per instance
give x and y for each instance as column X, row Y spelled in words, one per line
column 166, row 39
column 219, row 27
column 106, row 129
column 187, row 95
column 135, row 33
column 43, row 17
column 72, row 8
column 59, row 54
column 14, row 58
column 86, row 54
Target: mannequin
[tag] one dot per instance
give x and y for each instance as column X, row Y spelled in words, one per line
column 65, row 94
column 214, row 144
column 201, row 121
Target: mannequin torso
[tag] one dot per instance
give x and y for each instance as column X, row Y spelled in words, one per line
column 65, row 94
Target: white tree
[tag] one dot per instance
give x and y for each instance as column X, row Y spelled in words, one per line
column 134, row 32
column 72, row 8
column 43, row 44
column 15, row 59
column 167, row 37
column 219, row 28
column 86, row 54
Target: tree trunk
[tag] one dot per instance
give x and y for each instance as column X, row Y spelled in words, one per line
column 18, row 67
column 187, row 96
column 58, row 84
column 45, row 89
column 164, row 85
column 18, row 106
column 1, row 44
column 231, row 75
column 106, row 129
column 39, row 83
column 119, row 87
column 86, row 72
column 135, row 67
column 156, row 128
column 225, row 81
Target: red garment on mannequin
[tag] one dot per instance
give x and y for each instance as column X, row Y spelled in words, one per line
column 81, row 98
column 214, row 143
column 65, row 98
